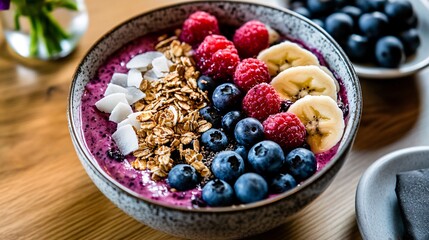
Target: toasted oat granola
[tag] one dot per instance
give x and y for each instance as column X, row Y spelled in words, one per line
column 170, row 118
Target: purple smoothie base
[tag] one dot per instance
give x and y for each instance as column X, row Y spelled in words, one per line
column 98, row 131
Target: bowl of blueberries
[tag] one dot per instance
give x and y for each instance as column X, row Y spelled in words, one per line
column 383, row 38
column 214, row 120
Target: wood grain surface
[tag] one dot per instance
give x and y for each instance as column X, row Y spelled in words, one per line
column 46, row 194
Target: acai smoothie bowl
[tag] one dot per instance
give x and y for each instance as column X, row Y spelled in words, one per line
column 214, row 120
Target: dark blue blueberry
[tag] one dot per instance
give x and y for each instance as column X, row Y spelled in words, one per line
column 242, row 151
column 303, row 11
column 227, row 97
column 320, row 7
column 284, row 106
column 282, row 183
column 228, row 166
column 411, row 41
column 206, row 83
column 210, row 114
column 343, row 3
column 399, row 10
column 359, row 48
column 339, row 25
column 214, row 140
column 248, row 131
column 318, row 22
column 218, row 193
column 296, row 4
column 183, row 177
column 373, row 25
column 250, row 187
column 353, row 12
column 364, row 6
column 389, row 52
column 301, row 163
column 266, row 158
column 229, row 121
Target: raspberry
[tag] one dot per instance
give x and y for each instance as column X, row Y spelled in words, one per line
column 210, row 46
column 223, row 64
column 285, row 129
column 261, row 101
column 197, row 26
column 250, row 72
column 251, row 38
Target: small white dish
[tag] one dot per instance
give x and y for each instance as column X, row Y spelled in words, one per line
column 377, row 211
column 413, row 64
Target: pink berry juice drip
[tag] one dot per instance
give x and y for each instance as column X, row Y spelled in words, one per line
column 98, row 131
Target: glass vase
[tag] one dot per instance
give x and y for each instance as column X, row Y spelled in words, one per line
column 44, row 29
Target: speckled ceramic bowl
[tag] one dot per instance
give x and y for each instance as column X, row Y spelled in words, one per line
column 225, row 222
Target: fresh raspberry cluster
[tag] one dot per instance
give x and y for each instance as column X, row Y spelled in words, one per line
column 286, row 129
column 197, row 26
column 251, row 38
column 208, row 63
column 251, row 72
column 261, row 101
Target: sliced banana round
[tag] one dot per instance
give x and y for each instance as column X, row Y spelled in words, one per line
column 285, row 55
column 337, row 85
column 297, row 82
column 323, row 121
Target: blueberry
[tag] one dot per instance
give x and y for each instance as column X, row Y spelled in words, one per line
column 373, row 25
column 358, row 48
column 339, row 25
column 411, row 41
column 217, row 193
column 301, row 163
column 284, row 106
column 206, row 83
column 296, row 4
column 226, row 97
column 183, row 177
column 399, row 10
column 320, row 7
column 210, row 114
column 229, row 121
column 352, row 11
column 242, row 151
column 228, row 166
column 318, row 22
column 303, row 11
column 248, row 131
column 282, row 183
column 250, row 187
column 363, row 5
column 389, row 52
column 214, row 139
column 266, row 158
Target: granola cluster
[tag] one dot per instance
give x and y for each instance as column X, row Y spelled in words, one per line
column 170, row 118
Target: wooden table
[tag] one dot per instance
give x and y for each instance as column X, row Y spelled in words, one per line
column 46, row 194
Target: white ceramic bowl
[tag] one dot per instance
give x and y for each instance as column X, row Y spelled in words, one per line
column 377, row 210
column 223, row 222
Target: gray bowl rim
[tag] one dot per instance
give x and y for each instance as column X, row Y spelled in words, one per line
column 342, row 152
column 365, row 180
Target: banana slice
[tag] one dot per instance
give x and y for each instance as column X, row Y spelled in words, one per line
column 323, row 121
column 297, row 82
column 337, row 85
column 285, row 55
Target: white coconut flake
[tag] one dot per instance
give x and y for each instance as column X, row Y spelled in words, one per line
column 119, row 79
column 160, row 66
column 126, row 139
column 113, row 88
column 143, row 61
column 123, row 123
column 120, row 112
column 134, row 94
column 134, row 78
column 133, row 120
column 150, row 75
column 108, row 103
